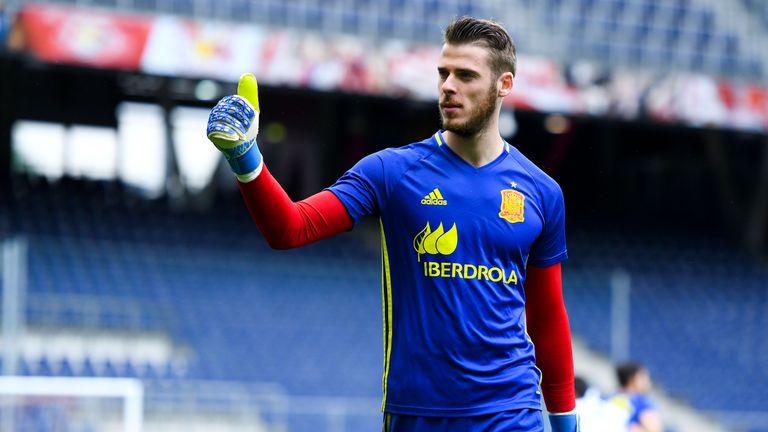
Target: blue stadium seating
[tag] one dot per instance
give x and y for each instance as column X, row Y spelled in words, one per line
column 759, row 9
column 310, row 318
column 189, row 265
column 650, row 33
column 695, row 315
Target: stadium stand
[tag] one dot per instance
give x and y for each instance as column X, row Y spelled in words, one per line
column 688, row 35
column 759, row 9
column 83, row 243
column 650, row 33
column 309, row 319
column 695, row 312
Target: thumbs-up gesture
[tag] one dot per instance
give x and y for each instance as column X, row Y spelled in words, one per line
column 233, row 125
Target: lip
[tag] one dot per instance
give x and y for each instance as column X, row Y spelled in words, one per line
column 450, row 107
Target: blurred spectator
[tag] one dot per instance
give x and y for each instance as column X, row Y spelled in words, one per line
column 5, row 25
column 598, row 414
column 12, row 36
column 635, row 383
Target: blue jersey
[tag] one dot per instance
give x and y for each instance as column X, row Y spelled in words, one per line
column 636, row 404
column 456, row 240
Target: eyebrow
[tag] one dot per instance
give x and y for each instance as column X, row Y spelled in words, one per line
column 472, row 72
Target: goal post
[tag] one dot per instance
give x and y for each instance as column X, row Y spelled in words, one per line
column 130, row 391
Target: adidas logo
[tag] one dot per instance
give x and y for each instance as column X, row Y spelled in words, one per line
column 434, row 198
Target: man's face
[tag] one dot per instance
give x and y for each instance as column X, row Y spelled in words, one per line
column 643, row 381
column 468, row 89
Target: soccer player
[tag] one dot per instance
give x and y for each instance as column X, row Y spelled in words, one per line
column 472, row 237
column 597, row 414
column 635, row 383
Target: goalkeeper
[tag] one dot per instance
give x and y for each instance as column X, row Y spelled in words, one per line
column 472, row 237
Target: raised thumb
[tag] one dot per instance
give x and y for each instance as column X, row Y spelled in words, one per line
column 249, row 89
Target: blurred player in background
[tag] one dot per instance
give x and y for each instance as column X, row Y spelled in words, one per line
column 472, row 239
column 635, row 383
column 596, row 414
column 5, row 25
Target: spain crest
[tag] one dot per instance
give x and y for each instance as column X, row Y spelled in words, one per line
column 512, row 206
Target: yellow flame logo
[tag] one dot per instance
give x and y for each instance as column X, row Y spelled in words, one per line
column 436, row 242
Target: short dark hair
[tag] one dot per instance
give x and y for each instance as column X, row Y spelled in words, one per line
column 580, row 385
column 626, row 371
column 489, row 34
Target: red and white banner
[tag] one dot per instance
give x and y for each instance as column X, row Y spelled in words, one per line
column 69, row 35
column 174, row 46
column 179, row 47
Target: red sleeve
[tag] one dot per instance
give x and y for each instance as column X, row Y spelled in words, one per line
column 286, row 224
column 550, row 331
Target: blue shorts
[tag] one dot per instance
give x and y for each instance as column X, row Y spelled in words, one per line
column 525, row 420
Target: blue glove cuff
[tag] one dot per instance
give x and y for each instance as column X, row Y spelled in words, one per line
column 245, row 158
column 564, row 423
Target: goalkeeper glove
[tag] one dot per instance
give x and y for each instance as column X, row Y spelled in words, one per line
column 232, row 127
column 566, row 422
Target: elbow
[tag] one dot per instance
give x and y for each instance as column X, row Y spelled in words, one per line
column 283, row 242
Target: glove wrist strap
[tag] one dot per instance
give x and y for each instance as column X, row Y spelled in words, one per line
column 564, row 422
column 245, row 178
column 248, row 164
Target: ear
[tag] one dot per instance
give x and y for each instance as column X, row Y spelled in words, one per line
column 505, row 83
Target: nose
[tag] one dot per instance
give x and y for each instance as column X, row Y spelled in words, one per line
column 448, row 85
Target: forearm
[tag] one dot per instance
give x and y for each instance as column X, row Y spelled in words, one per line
column 232, row 127
column 554, row 358
column 286, row 224
column 549, row 329
column 650, row 422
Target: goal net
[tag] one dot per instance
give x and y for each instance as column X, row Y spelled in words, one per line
column 53, row 404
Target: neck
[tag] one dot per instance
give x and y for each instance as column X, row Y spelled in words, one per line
column 479, row 149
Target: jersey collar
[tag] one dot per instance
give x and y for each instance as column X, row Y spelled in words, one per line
column 440, row 140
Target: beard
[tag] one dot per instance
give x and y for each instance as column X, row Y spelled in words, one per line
column 478, row 117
